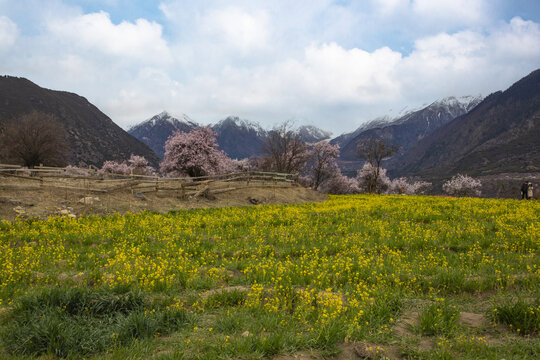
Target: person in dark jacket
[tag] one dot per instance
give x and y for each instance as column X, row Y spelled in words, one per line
column 524, row 188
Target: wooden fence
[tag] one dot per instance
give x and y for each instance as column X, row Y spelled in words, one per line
column 90, row 180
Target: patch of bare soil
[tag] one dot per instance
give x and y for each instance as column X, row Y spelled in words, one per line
column 348, row 351
column 27, row 199
column 209, row 293
column 301, row 355
column 402, row 327
column 472, row 319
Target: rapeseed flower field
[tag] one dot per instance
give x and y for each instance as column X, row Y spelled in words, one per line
column 387, row 273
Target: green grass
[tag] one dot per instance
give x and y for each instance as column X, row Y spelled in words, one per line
column 439, row 318
column 72, row 322
column 394, row 272
column 521, row 316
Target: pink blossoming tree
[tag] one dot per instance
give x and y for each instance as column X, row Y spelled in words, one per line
column 403, row 186
column 462, row 185
column 137, row 165
column 194, row 154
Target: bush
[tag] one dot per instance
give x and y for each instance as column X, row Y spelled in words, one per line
column 137, row 165
column 462, row 185
column 340, row 184
column 113, row 167
column 403, row 186
column 372, row 179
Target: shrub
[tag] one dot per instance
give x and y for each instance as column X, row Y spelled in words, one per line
column 462, row 185
column 113, row 167
column 403, row 186
column 340, row 184
column 372, row 179
column 137, row 165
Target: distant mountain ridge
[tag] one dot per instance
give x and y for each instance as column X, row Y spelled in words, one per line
column 92, row 136
column 404, row 131
column 312, row 134
column 501, row 134
column 238, row 138
column 156, row 130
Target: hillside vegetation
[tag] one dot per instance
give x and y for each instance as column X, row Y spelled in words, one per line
column 356, row 276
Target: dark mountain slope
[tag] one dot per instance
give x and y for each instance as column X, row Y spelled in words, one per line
column 501, row 134
column 92, row 136
column 239, row 138
column 155, row 131
column 407, row 130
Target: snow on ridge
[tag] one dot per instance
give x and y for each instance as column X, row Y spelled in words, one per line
column 165, row 116
column 244, row 124
column 315, row 131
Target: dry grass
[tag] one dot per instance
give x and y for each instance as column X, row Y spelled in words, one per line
column 24, row 197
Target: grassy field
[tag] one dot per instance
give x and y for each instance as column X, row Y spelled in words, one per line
column 353, row 277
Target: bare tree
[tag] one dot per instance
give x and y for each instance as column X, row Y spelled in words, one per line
column 33, row 139
column 285, row 150
column 374, row 151
column 322, row 165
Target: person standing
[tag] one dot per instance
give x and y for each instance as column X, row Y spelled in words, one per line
column 524, row 189
column 529, row 191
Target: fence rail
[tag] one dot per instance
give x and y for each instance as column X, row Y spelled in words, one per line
column 90, row 180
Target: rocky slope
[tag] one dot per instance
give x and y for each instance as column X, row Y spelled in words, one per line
column 92, row 136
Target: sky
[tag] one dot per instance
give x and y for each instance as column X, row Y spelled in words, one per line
column 332, row 64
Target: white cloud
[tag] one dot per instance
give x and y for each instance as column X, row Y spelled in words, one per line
column 321, row 61
column 518, row 39
column 8, row 32
column 464, row 12
column 390, row 6
column 330, row 73
column 240, row 29
column 141, row 41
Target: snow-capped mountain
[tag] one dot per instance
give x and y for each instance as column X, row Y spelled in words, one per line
column 500, row 135
column 313, row 134
column 408, row 129
column 156, row 130
column 239, row 138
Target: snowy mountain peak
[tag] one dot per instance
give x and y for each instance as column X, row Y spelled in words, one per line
column 166, row 117
column 466, row 102
column 241, row 123
column 310, row 133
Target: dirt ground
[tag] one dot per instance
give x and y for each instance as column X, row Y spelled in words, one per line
column 33, row 199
